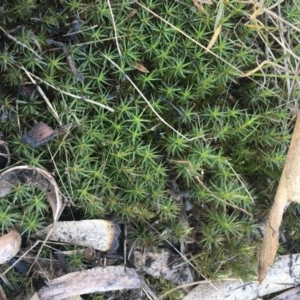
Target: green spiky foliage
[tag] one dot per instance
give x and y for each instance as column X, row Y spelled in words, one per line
column 234, row 131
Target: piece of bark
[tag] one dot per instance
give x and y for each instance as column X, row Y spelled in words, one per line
column 9, row 245
column 284, row 274
column 288, row 191
column 97, row 234
column 36, row 177
column 91, row 281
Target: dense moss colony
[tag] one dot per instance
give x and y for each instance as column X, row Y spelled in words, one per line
column 128, row 164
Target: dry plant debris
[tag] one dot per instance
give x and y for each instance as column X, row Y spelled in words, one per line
column 288, row 191
column 36, row 177
column 91, row 281
column 39, row 135
column 281, row 276
column 164, row 264
column 97, row 234
column 9, row 245
column 292, row 294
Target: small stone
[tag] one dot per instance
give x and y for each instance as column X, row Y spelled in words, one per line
column 188, row 206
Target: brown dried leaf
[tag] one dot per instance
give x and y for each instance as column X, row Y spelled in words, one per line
column 97, row 234
column 288, row 191
column 36, row 177
column 39, row 135
column 141, row 68
column 91, row 281
column 9, row 245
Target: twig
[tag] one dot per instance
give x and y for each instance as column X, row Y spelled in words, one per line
column 16, row 41
column 76, row 32
column 43, row 95
column 69, row 94
column 70, row 60
column 114, row 26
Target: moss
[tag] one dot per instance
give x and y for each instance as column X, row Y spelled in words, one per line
column 234, row 132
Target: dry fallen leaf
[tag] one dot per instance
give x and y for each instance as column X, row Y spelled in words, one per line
column 91, row 281
column 141, row 68
column 97, row 234
column 39, row 135
column 9, row 245
column 288, row 191
column 283, row 275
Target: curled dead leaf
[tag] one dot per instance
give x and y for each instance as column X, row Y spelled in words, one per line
column 9, row 245
column 36, row 177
